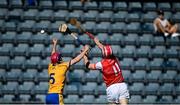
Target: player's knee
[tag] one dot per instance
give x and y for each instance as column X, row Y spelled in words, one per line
column 123, row 101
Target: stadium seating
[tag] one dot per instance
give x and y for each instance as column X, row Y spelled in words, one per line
column 10, row 88
column 41, row 88
column 7, row 98
column 128, row 51
column 149, row 16
column 89, row 25
column 6, row 49
column 143, row 51
column 24, row 37
column 75, row 5
column 75, row 14
column 154, row 75
column 139, row 75
column 45, row 15
column 101, row 89
column 151, row 88
column 175, row 17
column 92, row 76
column 17, row 62
column 15, row 14
column 126, row 74
column 43, row 76
column 166, row 89
column 89, row 88
column 8, row 37
column 20, row 50
column 60, row 4
column 116, row 38
column 24, row 98
column 71, row 89
column 150, row 63
column 134, row 6
column 105, row 16
column 117, row 27
column 29, row 75
column 135, row 99
column 32, row 62
column 169, row 76
column 91, row 6
column 102, row 99
column 176, row 6
column 88, row 99
column 25, row 88
column 136, row 88
column 3, row 3
column 72, row 99
column 119, row 16
column 166, row 99
column 133, row 17
column 2, row 75
column 46, row 4
column 127, row 63
column 150, row 99
column 146, row 39
column 164, row 6
column 40, row 98
column 120, row 6
column 4, row 62
column 90, row 15
column 30, row 14
column 102, row 27
column 107, row 5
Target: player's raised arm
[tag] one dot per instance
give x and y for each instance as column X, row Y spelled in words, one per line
column 80, row 56
column 88, row 64
column 54, row 46
column 98, row 43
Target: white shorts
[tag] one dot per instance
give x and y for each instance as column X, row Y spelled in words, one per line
column 117, row 91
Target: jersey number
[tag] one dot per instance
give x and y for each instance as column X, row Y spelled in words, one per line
column 51, row 79
column 116, row 69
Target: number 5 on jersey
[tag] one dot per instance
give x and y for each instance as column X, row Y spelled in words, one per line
column 51, row 78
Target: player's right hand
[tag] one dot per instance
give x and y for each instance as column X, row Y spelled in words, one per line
column 54, row 41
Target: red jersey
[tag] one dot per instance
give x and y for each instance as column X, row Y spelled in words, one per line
column 111, row 71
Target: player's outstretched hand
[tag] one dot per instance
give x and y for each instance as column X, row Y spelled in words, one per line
column 86, row 48
column 54, row 41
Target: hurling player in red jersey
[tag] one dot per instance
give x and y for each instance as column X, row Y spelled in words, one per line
column 116, row 90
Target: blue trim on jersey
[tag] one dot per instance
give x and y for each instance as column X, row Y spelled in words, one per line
column 52, row 98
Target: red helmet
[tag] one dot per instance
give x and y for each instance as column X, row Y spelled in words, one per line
column 55, row 57
column 107, row 51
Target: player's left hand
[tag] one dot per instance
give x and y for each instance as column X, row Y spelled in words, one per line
column 86, row 48
column 54, row 41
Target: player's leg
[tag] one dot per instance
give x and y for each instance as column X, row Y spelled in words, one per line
column 123, row 94
column 111, row 104
column 61, row 100
column 113, row 94
column 123, row 101
column 110, row 95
